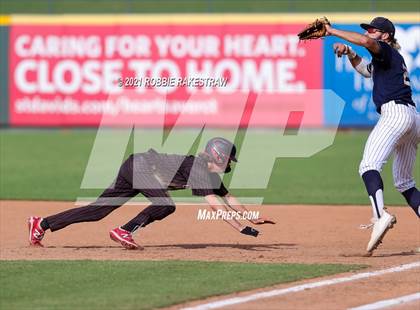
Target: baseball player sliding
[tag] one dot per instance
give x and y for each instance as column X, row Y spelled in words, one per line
column 398, row 129
column 153, row 174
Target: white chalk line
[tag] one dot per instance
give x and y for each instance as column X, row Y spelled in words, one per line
column 389, row 302
column 278, row 292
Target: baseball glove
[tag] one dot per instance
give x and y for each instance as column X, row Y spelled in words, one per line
column 250, row 231
column 315, row 30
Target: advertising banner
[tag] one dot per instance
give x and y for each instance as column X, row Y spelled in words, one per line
column 356, row 90
column 73, row 75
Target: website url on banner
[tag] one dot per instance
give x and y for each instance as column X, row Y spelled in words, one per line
column 206, row 215
column 121, row 105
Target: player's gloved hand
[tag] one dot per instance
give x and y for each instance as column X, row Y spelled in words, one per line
column 250, row 231
column 260, row 221
column 319, row 28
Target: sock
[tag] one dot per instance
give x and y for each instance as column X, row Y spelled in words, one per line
column 375, row 187
column 131, row 226
column 139, row 221
column 412, row 196
column 149, row 215
column 44, row 224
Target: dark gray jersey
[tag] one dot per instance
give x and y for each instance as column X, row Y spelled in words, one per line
column 174, row 172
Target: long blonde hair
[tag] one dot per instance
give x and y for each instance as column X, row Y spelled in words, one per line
column 394, row 44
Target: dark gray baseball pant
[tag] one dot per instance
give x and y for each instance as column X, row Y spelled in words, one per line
column 119, row 193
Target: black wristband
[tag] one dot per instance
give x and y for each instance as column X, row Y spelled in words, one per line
column 250, row 231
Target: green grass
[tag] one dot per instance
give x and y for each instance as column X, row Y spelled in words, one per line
column 138, row 284
column 205, row 6
column 50, row 164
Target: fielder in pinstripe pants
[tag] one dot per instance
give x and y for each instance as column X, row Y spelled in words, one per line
column 398, row 129
column 153, row 174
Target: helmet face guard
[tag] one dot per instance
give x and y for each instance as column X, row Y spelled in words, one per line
column 221, row 152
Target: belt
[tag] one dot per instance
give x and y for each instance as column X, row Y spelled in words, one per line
column 404, row 102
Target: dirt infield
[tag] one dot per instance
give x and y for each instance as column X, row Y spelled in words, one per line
column 303, row 234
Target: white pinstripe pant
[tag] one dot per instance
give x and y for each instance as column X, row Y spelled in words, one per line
column 398, row 132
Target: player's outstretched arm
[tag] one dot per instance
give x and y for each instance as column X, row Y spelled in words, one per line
column 215, row 204
column 234, row 204
column 355, row 38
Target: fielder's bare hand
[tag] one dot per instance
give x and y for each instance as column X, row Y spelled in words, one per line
column 341, row 49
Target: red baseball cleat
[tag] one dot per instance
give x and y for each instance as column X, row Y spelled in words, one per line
column 36, row 233
column 125, row 238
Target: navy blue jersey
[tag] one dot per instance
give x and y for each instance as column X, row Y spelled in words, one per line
column 390, row 77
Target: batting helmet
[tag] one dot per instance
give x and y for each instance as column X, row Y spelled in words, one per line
column 221, row 150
